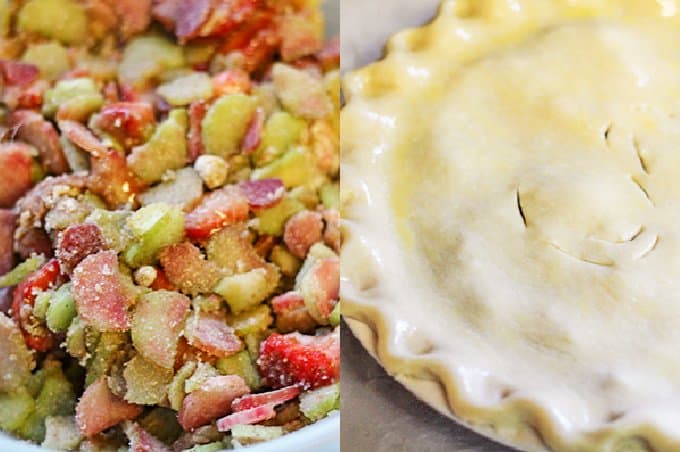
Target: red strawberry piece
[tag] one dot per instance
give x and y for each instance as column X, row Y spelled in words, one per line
column 143, row 441
column 111, row 179
column 98, row 409
column 215, row 211
column 212, row 400
column 7, row 226
column 128, row 122
column 15, row 73
column 15, row 159
column 188, row 269
column 292, row 314
column 82, row 137
column 301, row 231
column 231, row 81
column 329, row 55
column 76, row 243
column 32, row 128
column 47, row 276
column 247, row 417
column 210, row 333
column 197, row 111
column 310, row 361
column 263, row 193
column 332, row 235
column 100, row 297
column 253, row 135
column 266, row 398
column 162, row 282
column 31, row 97
column 157, row 324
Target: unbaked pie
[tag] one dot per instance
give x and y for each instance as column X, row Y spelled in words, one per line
column 511, row 180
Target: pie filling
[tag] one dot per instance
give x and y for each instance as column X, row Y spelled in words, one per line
column 533, row 203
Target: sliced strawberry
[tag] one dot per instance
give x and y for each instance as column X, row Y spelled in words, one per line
column 82, row 137
column 292, row 314
column 37, row 337
column 332, row 235
column 143, row 441
column 15, row 159
column 100, row 297
column 15, row 73
column 212, row 400
column 246, row 417
column 303, row 230
column 231, row 81
column 130, row 123
column 99, row 409
column 257, row 39
column 32, row 128
column 215, row 211
column 310, row 361
column 197, row 111
column 188, row 269
column 329, row 55
column 162, row 282
column 263, row 193
column 209, row 332
column 8, row 221
column 76, row 243
column 111, row 179
column 253, row 135
column 157, row 324
column 266, row 398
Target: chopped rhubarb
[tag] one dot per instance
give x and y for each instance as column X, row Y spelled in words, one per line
column 7, row 227
column 112, row 180
column 301, row 231
column 197, row 111
column 292, row 314
column 310, row 361
column 162, row 282
column 130, row 123
column 211, row 400
column 32, row 128
column 217, row 210
column 209, row 332
column 265, row 398
column 16, row 361
column 157, row 323
column 332, row 235
column 231, row 81
column 83, row 137
column 188, row 269
column 15, row 159
column 263, row 193
column 98, row 409
column 301, row 35
column 101, row 299
column 247, row 417
column 143, row 441
column 76, row 243
column 329, row 55
column 320, row 287
column 253, row 136
column 15, row 73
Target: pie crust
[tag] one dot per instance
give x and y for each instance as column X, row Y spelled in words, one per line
column 511, row 190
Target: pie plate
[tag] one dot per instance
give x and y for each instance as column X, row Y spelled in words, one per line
column 510, row 197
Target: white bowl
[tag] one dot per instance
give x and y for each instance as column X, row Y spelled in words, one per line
column 324, row 435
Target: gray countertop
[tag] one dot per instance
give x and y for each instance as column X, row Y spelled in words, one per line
column 378, row 414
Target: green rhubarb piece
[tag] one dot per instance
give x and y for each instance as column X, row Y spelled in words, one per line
column 252, row 321
column 64, row 20
column 77, row 159
column 113, row 225
column 240, row 364
column 165, row 150
column 21, row 271
column 300, row 92
column 176, row 390
column 82, row 107
column 161, row 423
column 15, row 408
column 183, row 189
column 67, row 90
column 244, row 290
column 318, row 403
column 186, row 89
column 295, row 167
column 69, row 211
column 253, row 342
column 251, row 434
column 281, row 131
column 146, row 57
column 5, row 17
column 226, row 122
column 62, row 309
column 147, row 383
column 42, row 302
column 201, row 374
column 109, row 351
column 210, row 447
column 198, row 52
column 272, row 220
column 330, row 196
column 51, row 58
column 288, row 263
column 75, row 340
column 306, row 195
column 334, row 318
column 61, row 433
column 154, row 227
column 266, row 97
